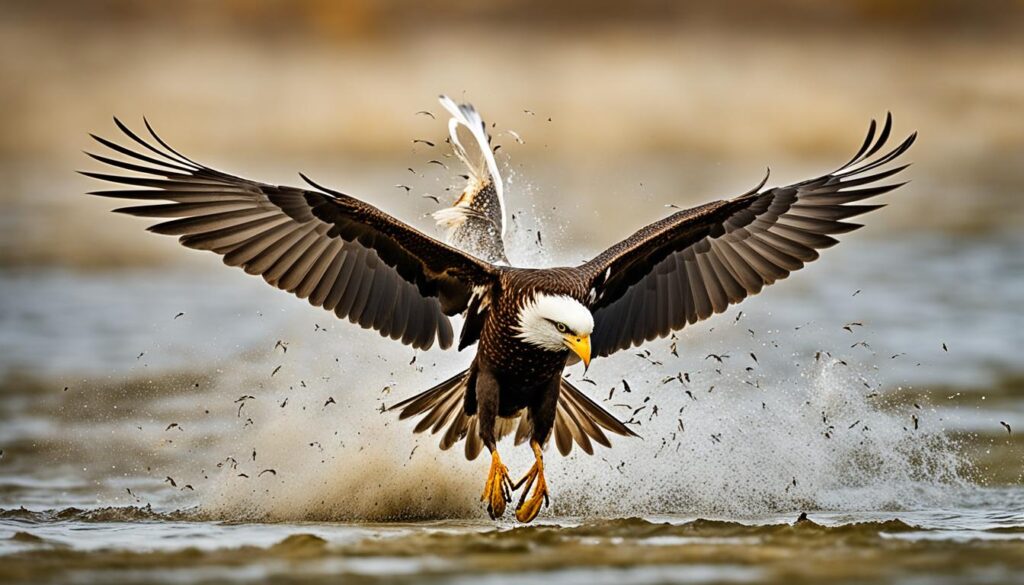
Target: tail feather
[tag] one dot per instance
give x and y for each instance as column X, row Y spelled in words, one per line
column 458, row 429
column 565, row 432
column 474, row 444
column 444, row 405
column 578, row 419
column 452, row 407
column 591, row 415
column 438, row 404
column 425, row 400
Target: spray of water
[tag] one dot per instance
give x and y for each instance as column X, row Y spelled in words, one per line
column 740, row 437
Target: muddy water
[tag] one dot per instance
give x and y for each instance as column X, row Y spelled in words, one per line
column 135, row 545
column 901, row 462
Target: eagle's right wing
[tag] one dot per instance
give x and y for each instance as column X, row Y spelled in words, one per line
column 336, row 251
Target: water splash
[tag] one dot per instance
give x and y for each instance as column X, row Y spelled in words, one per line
column 749, row 436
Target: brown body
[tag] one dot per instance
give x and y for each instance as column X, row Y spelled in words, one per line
column 513, row 375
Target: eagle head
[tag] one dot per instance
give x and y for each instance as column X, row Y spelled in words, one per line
column 556, row 323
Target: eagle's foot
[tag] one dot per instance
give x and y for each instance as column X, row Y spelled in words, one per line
column 498, row 489
column 528, row 508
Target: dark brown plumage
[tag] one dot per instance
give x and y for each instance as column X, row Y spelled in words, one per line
column 355, row 260
column 697, row 262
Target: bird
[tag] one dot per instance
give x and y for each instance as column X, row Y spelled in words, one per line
column 476, row 221
column 528, row 324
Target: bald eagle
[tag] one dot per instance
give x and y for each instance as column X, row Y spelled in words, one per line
column 351, row 258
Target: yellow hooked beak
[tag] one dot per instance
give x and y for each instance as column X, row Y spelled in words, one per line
column 580, row 345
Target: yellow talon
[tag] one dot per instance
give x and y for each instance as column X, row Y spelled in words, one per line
column 498, row 489
column 527, row 509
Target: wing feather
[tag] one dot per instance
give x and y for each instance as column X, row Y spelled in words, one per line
column 336, row 251
column 698, row 262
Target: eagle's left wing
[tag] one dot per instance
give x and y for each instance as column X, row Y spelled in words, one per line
column 697, row 262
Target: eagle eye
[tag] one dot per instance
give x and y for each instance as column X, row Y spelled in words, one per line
column 561, row 327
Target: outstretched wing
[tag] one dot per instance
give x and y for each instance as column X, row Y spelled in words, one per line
column 338, row 252
column 697, row 262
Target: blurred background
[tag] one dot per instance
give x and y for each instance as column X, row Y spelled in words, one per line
column 619, row 114
column 691, row 101
column 882, row 381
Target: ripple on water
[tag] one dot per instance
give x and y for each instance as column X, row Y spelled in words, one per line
column 165, row 548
